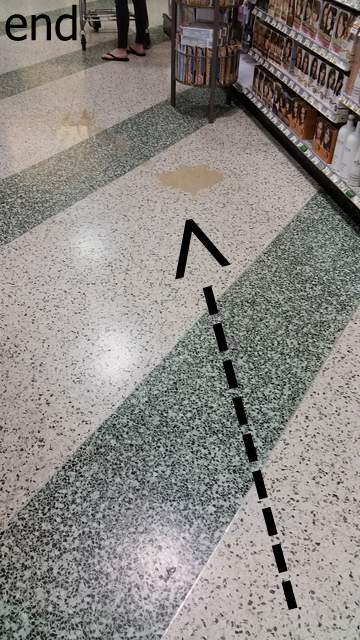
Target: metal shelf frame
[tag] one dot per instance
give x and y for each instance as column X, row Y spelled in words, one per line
column 216, row 7
column 302, row 39
column 332, row 183
column 333, row 116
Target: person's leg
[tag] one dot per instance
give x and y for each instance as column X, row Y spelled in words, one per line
column 141, row 20
column 122, row 19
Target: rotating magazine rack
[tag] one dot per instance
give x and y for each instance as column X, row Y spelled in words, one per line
column 208, row 67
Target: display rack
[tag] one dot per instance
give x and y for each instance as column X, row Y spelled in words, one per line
column 302, row 39
column 197, row 4
column 350, row 104
column 350, row 4
column 332, row 182
column 334, row 116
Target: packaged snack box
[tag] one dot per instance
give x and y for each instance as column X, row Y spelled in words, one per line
column 324, row 139
column 327, row 24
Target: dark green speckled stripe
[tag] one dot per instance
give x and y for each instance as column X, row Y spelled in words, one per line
column 30, row 197
column 109, row 548
column 35, row 75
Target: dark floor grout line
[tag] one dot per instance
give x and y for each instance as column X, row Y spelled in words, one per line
column 250, row 450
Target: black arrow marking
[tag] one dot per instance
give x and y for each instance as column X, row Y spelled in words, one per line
column 250, row 448
column 192, row 227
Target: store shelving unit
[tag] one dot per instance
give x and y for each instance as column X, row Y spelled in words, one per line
column 334, row 184
column 174, row 80
column 338, row 116
column 220, row 62
column 302, row 39
column 350, row 104
column 330, row 180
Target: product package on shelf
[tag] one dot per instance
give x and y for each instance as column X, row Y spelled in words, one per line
column 344, row 35
column 200, row 34
column 277, row 46
column 205, row 4
column 291, row 13
column 324, row 140
column 193, row 64
column 286, row 61
column 311, row 18
column 298, row 15
column 352, row 88
column 304, row 120
column 327, row 24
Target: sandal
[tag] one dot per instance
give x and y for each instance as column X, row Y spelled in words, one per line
column 131, row 50
column 113, row 58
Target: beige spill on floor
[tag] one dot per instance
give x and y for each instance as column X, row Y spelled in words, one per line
column 191, row 179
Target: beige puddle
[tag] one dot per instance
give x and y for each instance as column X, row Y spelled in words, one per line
column 191, row 179
column 75, row 129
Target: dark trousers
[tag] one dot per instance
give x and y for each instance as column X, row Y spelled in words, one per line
column 122, row 17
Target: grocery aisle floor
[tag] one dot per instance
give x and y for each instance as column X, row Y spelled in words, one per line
column 127, row 504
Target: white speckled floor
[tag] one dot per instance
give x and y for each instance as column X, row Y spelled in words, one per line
column 313, row 479
column 92, row 316
column 128, row 233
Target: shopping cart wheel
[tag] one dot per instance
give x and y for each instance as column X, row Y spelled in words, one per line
column 95, row 23
column 147, row 40
column 83, row 42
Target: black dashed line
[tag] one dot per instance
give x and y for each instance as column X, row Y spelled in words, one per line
column 250, row 447
column 220, row 337
column 269, row 521
column 259, row 484
column 240, row 411
column 289, row 594
column 230, row 374
column 210, row 300
column 279, row 558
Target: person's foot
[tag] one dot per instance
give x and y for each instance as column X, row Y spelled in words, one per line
column 138, row 49
column 116, row 54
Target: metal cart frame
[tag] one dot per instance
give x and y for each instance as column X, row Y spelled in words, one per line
column 95, row 19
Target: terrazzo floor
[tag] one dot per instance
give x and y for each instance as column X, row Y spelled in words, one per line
column 128, row 508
